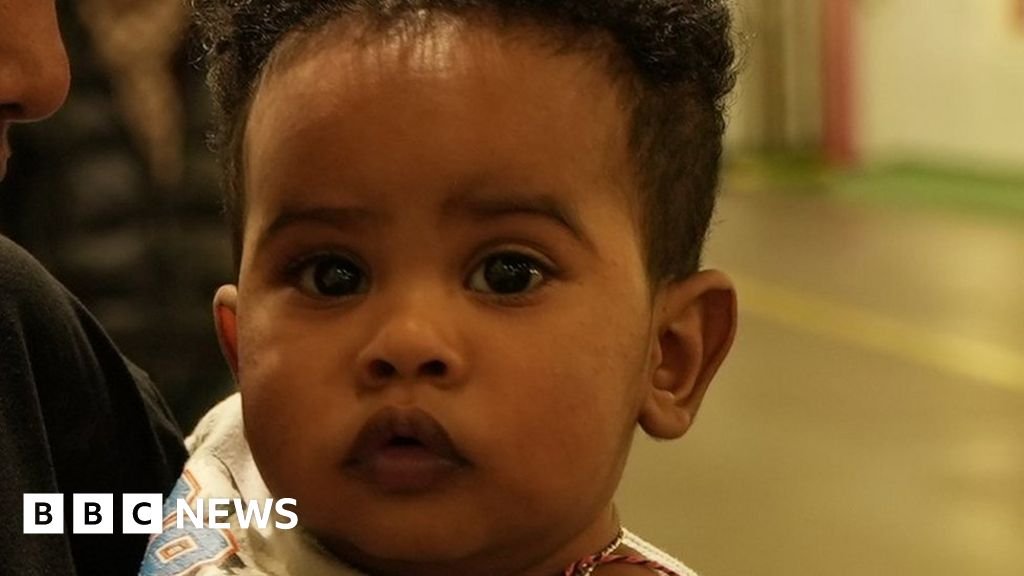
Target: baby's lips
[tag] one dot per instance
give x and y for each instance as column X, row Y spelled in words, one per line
column 392, row 424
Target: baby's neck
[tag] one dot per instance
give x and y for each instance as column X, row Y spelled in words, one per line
column 531, row 559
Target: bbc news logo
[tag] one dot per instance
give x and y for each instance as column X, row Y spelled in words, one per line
column 141, row 513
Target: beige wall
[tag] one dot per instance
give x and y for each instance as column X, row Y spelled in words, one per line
column 777, row 101
column 941, row 80
column 937, row 80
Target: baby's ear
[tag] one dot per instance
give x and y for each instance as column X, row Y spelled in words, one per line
column 696, row 323
column 225, row 304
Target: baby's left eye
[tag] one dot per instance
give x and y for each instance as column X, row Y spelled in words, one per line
column 508, row 273
column 330, row 276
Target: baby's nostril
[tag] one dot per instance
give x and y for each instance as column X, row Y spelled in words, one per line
column 382, row 369
column 405, row 441
column 434, row 368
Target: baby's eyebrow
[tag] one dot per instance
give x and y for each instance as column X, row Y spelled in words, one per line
column 490, row 207
column 475, row 206
column 333, row 216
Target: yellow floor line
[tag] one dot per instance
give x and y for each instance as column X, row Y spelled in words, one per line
column 981, row 362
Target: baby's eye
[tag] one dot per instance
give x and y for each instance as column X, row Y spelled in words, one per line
column 331, row 275
column 508, row 273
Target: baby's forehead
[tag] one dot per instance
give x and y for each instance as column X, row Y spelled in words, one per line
column 432, row 43
column 379, row 123
column 452, row 68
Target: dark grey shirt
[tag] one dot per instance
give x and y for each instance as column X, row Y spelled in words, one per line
column 75, row 417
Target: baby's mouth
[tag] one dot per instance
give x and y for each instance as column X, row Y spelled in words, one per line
column 402, row 450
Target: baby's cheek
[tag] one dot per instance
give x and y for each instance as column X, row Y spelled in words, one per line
column 272, row 354
column 266, row 408
column 259, row 371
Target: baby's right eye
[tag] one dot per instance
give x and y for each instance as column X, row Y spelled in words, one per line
column 331, row 276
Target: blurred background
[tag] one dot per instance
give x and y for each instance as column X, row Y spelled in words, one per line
column 117, row 193
column 870, row 419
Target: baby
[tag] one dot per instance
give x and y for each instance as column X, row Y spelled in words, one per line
column 468, row 237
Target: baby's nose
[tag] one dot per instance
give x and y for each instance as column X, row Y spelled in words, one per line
column 410, row 349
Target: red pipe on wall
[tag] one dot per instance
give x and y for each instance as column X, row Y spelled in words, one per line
column 838, row 79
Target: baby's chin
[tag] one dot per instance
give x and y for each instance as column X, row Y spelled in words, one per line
column 407, row 554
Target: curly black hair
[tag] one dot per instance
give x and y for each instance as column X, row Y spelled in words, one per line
column 675, row 57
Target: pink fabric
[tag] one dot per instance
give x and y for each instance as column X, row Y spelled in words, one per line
column 599, row 560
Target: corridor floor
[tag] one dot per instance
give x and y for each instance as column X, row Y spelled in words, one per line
column 870, row 419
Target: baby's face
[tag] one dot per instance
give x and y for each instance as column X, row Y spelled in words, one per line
column 444, row 325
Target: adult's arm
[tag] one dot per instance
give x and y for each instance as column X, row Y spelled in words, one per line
column 75, row 417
